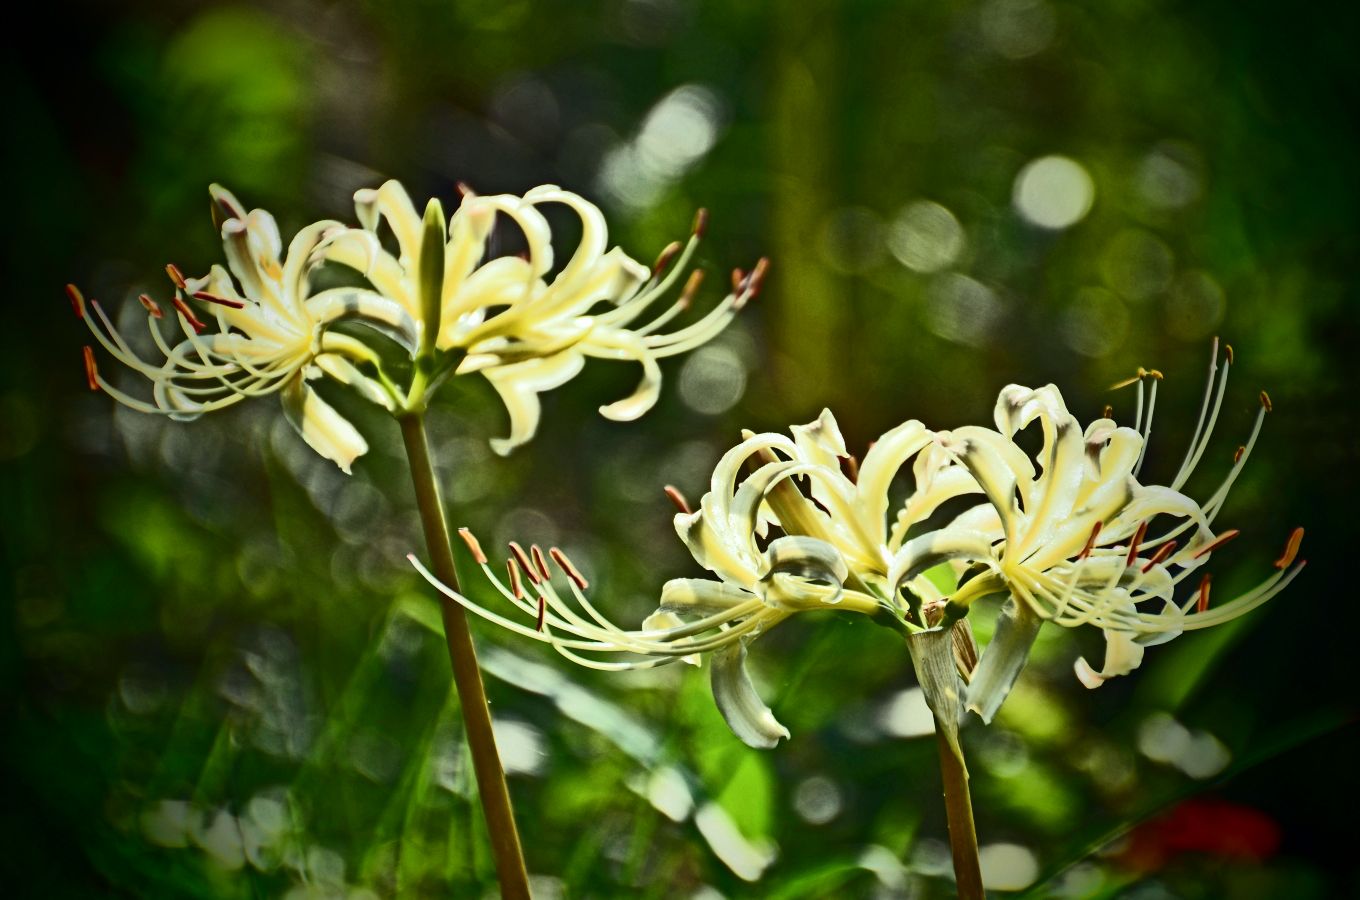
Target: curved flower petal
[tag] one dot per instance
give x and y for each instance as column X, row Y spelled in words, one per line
column 746, row 714
column 1122, row 655
column 1005, row 656
column 519, row 386
column 325, row 430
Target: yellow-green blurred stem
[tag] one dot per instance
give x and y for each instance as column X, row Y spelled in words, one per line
column 467, row 676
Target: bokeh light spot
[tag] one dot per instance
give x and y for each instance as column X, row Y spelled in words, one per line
column 962, row 309
column 712, row 379
column 925, row 237
column 1054, row 192
column 1097, row 322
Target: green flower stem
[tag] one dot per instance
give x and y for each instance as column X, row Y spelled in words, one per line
column 467, row 676
column 958, row 806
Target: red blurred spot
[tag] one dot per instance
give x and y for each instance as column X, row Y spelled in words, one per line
column 1203, row 825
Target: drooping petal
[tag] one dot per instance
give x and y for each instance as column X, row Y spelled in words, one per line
column 519, row 386
column 1016, row 628
column 746, row 714
column 325, row 430
column 614, row 344
column 1122, row 655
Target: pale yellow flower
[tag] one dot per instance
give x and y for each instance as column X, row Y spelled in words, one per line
column 271, row 334
column 771, row 550
column 1080, row 539
column 509, row 318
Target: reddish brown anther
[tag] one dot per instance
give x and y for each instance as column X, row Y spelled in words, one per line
column 696, row 278
column 738, row 278
column 1162, row 553
column 1138, row 536
column 524, row 563
column 1202, row 603
column 756, row 279
column 1265, row 402
column 1216, row 543
column 1228, row 351
column 150, row 306
column 700, row 223
column 850, row 468
column 464, row 190
column 516, row 586
column 176, row 276
column 473, row 544
column 567, row 568
column 77, row 300
column 188, row 314
column 1090, row 542
column 91, row 372
column 666, row 257
column 1237, row 456
column 209, row 297
column 540, row 563
column 1291, row 549
column 1108, row 412
column 678, row 499
column 542, row 612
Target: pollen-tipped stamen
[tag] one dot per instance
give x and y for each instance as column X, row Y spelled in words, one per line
column 473, row 545
column 91, row 370
column 77, row 300
column 1202, row 600
column 1291, row 549
column 678, row 499
column 1216, row 543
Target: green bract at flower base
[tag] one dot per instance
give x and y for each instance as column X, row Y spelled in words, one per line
column 502, row 317
column 498, row 316
column 272, row 335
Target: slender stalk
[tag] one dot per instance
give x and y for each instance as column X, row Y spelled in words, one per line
column 958, row 806
column 467, row 676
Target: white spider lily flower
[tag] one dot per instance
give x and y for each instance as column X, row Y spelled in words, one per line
column 524, row 329
column 271, row 335
column 775, row 551
column 1080, row 540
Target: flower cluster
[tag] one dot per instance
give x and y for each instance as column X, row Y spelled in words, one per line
column 507, row 319
column 797, row 524
column 443, row 296
column 271, row 334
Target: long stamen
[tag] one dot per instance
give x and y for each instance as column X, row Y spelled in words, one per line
column 1203, row 434
column 1154, row 376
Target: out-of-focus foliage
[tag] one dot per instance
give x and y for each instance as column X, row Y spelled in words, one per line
column 220, row 677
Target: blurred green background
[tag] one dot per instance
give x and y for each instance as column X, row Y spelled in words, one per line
column 219, row 673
